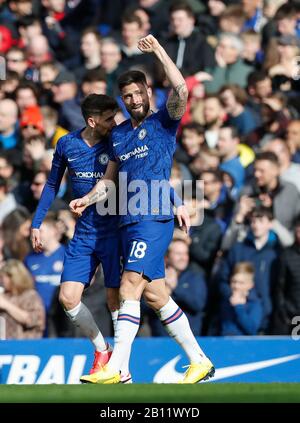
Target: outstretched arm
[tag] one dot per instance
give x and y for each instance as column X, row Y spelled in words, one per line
column 100, row 191
column 48, row 195
column 177, row 100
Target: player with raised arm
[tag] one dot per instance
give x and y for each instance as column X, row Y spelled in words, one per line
column 85, row 154
column 142, row 149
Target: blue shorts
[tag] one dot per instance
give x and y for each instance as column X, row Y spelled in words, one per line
column 83, row 256
column 144, row 246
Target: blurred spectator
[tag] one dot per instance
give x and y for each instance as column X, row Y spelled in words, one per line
column 281, row 63
column 231, row 162
column 234, row 99
column 261, row 249
column 144, row 16
column 20, row 7
column 38, row 51
column 26, row 95
column 207, row 159
column 242, row 312
column 7, row 170
column 213, row 119
column 37, row 187
column 288, row 171
column 282, row 22
column 232, row 19
column 65, row 94
column 94, row 82
column 9, row 85
column 186, row 42
column 230, row 68
column 274, row 123
column 48, row 72
column 20, row 305
column 16, row 231
column 31, row 123
column 90, row 47
column 205, row 235
column 196, row 91
column 9, row 136
column 192, row 141
column 186, row 284
column 252, row 52
column 46, row 267
column 259, row 88
column 217, row 202
column 53, row 131
column 132, row 31
column 65, row 225
column 293, row 139
column 211, row 20
column 287, row 292
column 16, row 60
column 7, row 200
column 60, row 40
column 110, row 53
column 6, row 39
column 29, row 27
column 269, row 191
column 253, row 12
column 159, row 14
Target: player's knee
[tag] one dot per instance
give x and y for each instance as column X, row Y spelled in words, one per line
column 132, row 286
column 68, row 300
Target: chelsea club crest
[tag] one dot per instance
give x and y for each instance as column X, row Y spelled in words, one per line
column 103, row 159
column 142, row 134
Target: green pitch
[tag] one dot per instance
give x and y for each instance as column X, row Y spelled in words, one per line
column 147, row 393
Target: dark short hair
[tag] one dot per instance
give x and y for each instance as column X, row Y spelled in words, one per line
column 257, row 76
column 269, row 156
column 262, row 211
column 131, row 77
column 234, row 131
column 216, row 173
column 94, row 75
column 182, row 5
column 287, row 10
column 194, row 126
column 96, row 104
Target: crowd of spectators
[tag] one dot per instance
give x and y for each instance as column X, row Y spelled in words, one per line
column 238, row 270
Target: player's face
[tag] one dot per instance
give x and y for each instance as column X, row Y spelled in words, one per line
column 136, row 98
column 103, row 123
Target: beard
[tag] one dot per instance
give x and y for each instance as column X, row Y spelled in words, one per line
column 139, row 114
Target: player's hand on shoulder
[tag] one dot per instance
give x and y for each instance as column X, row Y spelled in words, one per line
column 148, row 44
column 35, row 237
column 78, row 206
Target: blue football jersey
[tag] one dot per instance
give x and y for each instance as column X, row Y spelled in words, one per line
column 46, row 271
column 145, row 156
column 86, row 166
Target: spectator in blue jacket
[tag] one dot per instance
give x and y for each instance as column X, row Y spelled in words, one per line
column 260, row 247
column 242, row 312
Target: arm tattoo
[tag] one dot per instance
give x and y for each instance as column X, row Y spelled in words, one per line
column 177, row 100
column 99, row 195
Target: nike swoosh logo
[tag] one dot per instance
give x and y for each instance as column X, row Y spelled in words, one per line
column 131, row 261
column 72, row 160
column 116, row 143
column 168, row 373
